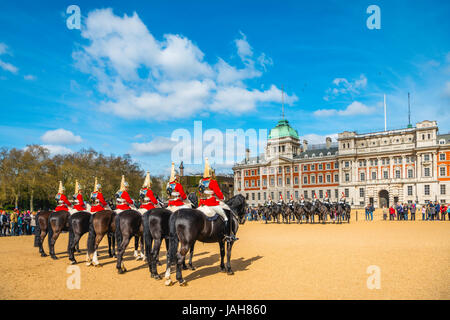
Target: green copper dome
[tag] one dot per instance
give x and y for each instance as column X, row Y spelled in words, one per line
column 283, row 129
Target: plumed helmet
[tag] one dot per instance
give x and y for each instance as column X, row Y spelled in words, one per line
column 207, row 171
column 173, row 173
column 61, row 187
column 123, row 184
column 147, row 181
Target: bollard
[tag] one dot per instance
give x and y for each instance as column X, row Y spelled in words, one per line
column 356, row 215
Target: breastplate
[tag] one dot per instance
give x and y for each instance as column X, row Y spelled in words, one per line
column 175, row 195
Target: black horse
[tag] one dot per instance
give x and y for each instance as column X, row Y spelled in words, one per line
column 344, row 209
column 41, row 230
column 321, row 210
column 78, row 225
column 189, row 225
column 273, row 212
column 156, row 228
column 287, row 210
column 128, row 224
column 58, row 221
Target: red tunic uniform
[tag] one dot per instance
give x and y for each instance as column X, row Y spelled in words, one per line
column 101, row 202
column 125, row 196
column 64, row 206
column 217, row 193
column 177, row 187
column 151, row 204
column 80, row 206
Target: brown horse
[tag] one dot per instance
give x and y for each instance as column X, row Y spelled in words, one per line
column 102, row 222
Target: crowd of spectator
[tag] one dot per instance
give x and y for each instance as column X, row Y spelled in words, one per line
column 407, row 211
column 252, row 214
column 17, row 223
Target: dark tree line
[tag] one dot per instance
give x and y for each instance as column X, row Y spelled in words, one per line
column 29, row 177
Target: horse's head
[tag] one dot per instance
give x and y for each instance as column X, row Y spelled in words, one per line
column 238, row 205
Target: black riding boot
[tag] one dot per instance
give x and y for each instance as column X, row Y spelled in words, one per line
column 229, row 235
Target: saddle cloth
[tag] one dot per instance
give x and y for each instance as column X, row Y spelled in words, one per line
column 211, row 211
column 72, row 210
column 142, row 210
column 186, row 205
column 117, row 211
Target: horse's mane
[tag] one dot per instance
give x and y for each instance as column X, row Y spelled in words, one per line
column 193, row 198
column 237, row 204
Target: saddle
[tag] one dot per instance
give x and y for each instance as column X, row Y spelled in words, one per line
column 208, row 212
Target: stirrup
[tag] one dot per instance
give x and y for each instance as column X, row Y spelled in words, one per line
column 231, row 238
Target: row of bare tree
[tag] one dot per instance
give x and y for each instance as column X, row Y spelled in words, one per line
column 29, row 177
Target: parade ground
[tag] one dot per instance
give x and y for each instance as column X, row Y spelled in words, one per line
column 273, row 261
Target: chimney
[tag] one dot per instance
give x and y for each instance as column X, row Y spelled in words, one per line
column 328, row 142
column 305, row 145
column 181, row 169
column 247, row 155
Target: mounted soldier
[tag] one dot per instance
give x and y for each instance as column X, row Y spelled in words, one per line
column 177, row 197
column 78, row 199
column 98, row 201
column 291, row 201
column 61, row 199
column 211, row 201
column 342, row 200
column 124, row 202
column 280, row 201
column 269, row 202
column 302, row 200
column 146, row 194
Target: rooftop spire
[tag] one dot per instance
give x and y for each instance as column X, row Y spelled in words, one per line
column 282, row 102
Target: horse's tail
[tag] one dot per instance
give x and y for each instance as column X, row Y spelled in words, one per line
column 49, row 231
column 118, row 231
column 173, row 238
column 71, row 236
column 37, row 231
column 147, row 235
column 91, row 236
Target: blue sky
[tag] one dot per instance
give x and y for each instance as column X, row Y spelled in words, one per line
column 138, row 70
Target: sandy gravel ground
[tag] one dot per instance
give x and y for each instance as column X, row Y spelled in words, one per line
column 270, row 262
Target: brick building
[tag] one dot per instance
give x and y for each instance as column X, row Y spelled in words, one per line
column 404, row 165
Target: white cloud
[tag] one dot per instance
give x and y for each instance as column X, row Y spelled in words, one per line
column 244, row 100
column 244, row 49
column 446, row 91
column 355, row 108
column 142, row 76
column 3, row 48
column 60, row 137
column 55, row 149
column 318, row 139
column 8, row 67
column 156, row 146
column 343, row 86
column 5, row 65
column 29, row 77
